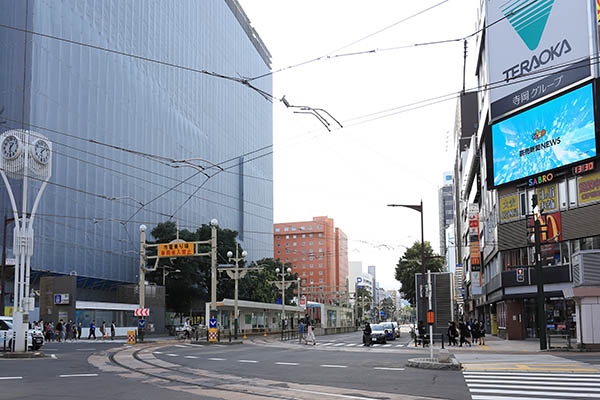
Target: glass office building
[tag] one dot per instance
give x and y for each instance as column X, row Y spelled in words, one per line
column 108, row 113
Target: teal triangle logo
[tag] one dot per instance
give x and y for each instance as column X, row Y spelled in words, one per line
column 528, row 18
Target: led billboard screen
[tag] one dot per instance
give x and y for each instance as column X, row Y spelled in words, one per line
column 554, row 134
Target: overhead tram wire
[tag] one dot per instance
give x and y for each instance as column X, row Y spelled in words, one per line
column 328, row 55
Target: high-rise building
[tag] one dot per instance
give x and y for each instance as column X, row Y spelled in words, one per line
column 446, row 209
column 357, row 278
column 372, row 269
column 111, row 117
column 318, row 252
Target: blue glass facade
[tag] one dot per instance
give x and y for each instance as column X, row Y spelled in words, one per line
column 75, row 94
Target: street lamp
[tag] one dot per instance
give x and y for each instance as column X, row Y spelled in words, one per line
column 165, row 273
column 236, row 277
column 419, row 208
column 283, row 284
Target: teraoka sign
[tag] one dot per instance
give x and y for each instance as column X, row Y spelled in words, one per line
column 535, row 48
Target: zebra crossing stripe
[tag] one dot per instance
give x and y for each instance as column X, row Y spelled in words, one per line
column 351, row 344
column 593, row 382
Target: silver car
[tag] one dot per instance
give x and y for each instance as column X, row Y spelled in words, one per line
column 35, row 337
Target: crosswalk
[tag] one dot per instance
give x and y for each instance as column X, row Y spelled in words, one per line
column 532, row 385
column 347, row 344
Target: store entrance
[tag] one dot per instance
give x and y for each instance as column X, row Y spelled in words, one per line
column 560, row 317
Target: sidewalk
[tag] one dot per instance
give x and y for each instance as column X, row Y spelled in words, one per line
column 493, row 343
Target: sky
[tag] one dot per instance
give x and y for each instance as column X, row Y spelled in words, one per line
column 352, row 173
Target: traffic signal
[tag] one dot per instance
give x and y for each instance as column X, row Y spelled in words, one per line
column 520, row 275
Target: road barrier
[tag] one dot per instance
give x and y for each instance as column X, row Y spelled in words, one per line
column 8, row 341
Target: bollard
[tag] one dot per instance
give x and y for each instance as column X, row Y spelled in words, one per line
column 244, row 337
column 442, row 340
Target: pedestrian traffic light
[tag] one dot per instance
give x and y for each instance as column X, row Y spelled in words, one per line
column 520, row 275
column 12, row 298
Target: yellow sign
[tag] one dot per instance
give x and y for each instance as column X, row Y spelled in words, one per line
column 588, row 188
column 175, row 249
column 8, row 311
column 509, row 208
column 548, row 197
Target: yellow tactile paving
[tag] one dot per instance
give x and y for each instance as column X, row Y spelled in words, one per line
column 529, row 367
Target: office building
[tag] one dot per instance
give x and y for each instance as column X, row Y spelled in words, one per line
column 446, row 209
column 115, row 122
column 318, row 252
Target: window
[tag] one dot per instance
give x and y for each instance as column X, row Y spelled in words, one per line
column 310, row 265
column 320, row 250
column 295, row 259
column 278, row 237
column 278, row 244
column 287, row 259
column 320, row 242
column 293, row 228
column 303, row 243
column 277, row 229
column 287, row 251
column 320, row 280
column 319, row 226
column 304, row 274
column 294, row 236
column 310, row 235
column 286, row 229
column 320, row 235
column 304, row 235
column 320, row 265
column 303, row 266
column 311, row 281
column 310, row 227
column 287, row 236
column 278, row 251
column 501, row 315
column 320, row 272
column 572, row 184
column 311, row 272
column 294, row 244
column 562, row 195
column 302, row 228
column 311, row 258
column 320, row 257
column 303, row 258
column 523, row 199
column 304, row 281
column 310, row 243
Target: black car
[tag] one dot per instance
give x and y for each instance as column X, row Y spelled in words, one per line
column 378, row 334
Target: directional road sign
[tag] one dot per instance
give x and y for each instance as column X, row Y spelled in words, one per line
column 142, row 312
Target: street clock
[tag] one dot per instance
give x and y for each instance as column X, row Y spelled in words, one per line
column 40, row 151
column 11, row 147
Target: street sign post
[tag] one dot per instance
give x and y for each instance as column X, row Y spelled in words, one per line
column 212, row 330
column 142, row 312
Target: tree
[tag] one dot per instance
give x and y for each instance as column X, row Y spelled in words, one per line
column 363, row 306
column 388, row 307
column 257, row 286
column 410, row 264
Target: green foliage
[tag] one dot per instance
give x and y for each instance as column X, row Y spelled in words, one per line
column 388, row 307
column 410, row 264
column 257, row 286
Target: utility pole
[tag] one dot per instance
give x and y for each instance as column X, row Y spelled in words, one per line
column 142, row 283
column 3, row 275
column 540, row 300
column 213, row 265
column 283, row 285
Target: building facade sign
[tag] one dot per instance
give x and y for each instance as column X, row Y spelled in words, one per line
column 475, row 251
column 529, row 39
column 588, row 188
column 548, row 197
column 509, row 208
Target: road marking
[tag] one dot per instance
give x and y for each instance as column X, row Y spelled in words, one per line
column 564, row 394
column 326, row 344
column 191, row 357
column 333, row 366
column 90, row 349
column 511, row 374
column 387, row 345
column 286, row 363
column 389, row 368
column 325, row 394
column 339, row 344
column 172, row 355
column 351, row 344
column 181, row 345
column 5, row 378
column 521, row 386
column 376, row 345
column 533, row 380
column 53, row 356
column 157, row 352
column 51, row 349
column 76, row 375
column 216, row 359
column 248, row 361
column 399, row 345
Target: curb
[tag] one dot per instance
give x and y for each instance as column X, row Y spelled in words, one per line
column 29, row 354
column 432, row 363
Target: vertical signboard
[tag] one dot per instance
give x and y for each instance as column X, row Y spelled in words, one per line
column 588, row 187
column 548, row 197
column 536, row 48
column 475, row 251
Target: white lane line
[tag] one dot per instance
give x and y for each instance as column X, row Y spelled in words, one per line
column 588, row 382
column 180, row 345
column 480, row 397
column 76, row 375
column 399, row 345
column 173, row 355
column 216, row 359
column 343, row 396
column 248, row 361
column 157, row 352
column 6, row 378
column 528, row 386
column 333, row 366
column 50, row 349
column 526, row 374
column 389, row 368
column 351, row 344
column 53, row 356
column 191, row 357
column 536, row 393
column 376, row 345
column 387, row 345
column 195, row 345
column 326, row 344
column 338, row 344
column 286, row 363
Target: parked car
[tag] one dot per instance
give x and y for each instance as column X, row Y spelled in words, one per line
column 378, row 334
column 390, row 333
column 35, row 337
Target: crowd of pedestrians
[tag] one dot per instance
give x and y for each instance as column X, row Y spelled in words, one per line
column 467, row 332
column 62, row 331
column 306, row 331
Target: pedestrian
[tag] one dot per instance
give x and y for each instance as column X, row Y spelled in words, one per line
column 103, row 329
column 113, row 330
column 451, row 334
column 68, row 328
column 92, row 330
column 482, row 333
column 367, row 334
column 311, row 334
column 301, row 332
column 464, row 333
column 79, row 329
column 59, row 330
column 74, row 333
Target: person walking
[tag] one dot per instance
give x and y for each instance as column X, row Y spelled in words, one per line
column 79, row 329
column 464, row 333
column 451, row 334
column 103, row 329
column 92, row 330
column 311, row 334
column 482, row 333
column 367, row 334
column 59, row 330
column 301, row 332
column 74, row 333
column 68, row 328
column 113, row 330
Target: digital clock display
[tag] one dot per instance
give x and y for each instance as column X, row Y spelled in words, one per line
column 583, row 168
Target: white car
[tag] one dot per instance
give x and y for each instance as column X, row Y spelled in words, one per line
column 35, row 337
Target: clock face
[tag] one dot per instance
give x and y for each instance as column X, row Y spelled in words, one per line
column 41, row 151
column 11, row 147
